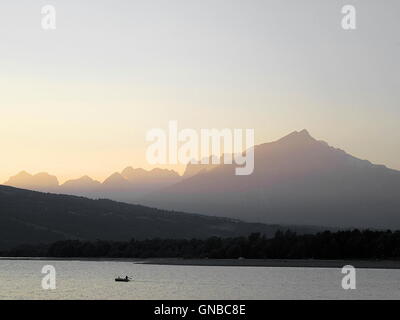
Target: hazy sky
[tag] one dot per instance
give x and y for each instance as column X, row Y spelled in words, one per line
column 80, row 99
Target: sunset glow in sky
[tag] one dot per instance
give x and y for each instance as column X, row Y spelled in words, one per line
column 79, row 100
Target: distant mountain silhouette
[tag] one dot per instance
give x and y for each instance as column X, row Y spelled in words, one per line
column 28, row 217
column 296, row 180
column 117, row 181
column 83, row 182
column 129, row 186
column 82, row 186
column 195, row 168
column 141, row 176
column 132, row 184
column 40, row 182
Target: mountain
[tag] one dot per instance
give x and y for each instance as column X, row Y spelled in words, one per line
column 82, row 186
column 128, row 186
column 40, row 182
column 154, row 176
column 116, row 187
column 195, row 168
column 29, row 217
column 116, row 181
column 151, row 180
column 132, row 184
column 84, row 182
column 297, row 180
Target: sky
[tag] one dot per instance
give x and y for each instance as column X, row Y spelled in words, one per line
column 79, row 99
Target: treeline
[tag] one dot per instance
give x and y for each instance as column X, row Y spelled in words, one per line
column 353, row 244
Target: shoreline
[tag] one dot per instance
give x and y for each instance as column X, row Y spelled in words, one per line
column 279, row 263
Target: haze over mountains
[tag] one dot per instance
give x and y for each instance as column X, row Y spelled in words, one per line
column 29, row 217
column 128, row 186
column 297, row 180
column 39, row 182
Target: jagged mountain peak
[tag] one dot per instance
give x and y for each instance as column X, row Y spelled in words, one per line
column 84, row 181
column 23, row 173
column 115, row 178
column 26, row 180
column 298, row 136
column 138, row 174
column 296, row 179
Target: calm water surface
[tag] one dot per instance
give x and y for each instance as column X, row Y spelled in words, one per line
column 95, row 280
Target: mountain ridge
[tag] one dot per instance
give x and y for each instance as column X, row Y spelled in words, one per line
column 130, row 183
column 297, row 180
column 31, row 217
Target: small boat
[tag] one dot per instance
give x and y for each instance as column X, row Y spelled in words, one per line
column 126, row 279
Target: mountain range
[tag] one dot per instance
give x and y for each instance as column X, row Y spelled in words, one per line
column 128, row 186
column 297, row 180
column 30, row 217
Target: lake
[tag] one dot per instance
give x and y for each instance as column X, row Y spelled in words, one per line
column 21, row 279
